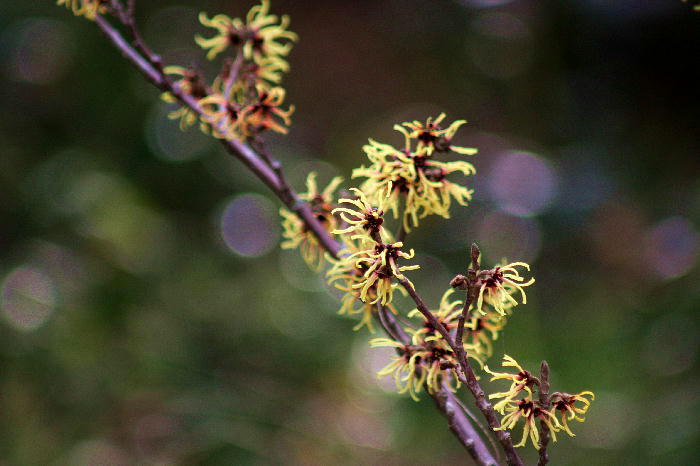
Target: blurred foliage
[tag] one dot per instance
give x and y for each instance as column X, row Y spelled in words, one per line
column 133, row 333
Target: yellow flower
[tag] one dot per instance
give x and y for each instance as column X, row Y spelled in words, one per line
column 416, row 178
column 259, row 36
column 370, row 263
column 429, row 364
column 294, row 229
column 430, row 136
column 481, row 331
column 265, row 112
column 530, row 411
column 379, row 266
column 87, row 8
column 440, row 358
column 447, row 314
column 222, row 116
column 497, row 285
column 191, row 83
column 365, row 219
column 519, row 381
column 344, row 274
column 566, row 405
column 265, row 69
column 406, row 367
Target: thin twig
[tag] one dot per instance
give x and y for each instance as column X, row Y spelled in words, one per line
column 483, row 430
column 469, row 298
column 462, row 428
column 545, row 401
column 468, row 378
column 446, row 401
column 390, row 326
column 423, row 309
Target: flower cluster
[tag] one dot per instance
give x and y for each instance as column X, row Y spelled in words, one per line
column 375, row 256
column 429, row 360
column 432, row 364
column 565, row 404
column 87, row 8
column 349, row 277
column 497, row 285
column 259, row 38
column 243, row 100
column 519, row 403
column 411, row 177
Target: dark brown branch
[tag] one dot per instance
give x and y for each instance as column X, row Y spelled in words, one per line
column 468, row 378
column 469, row 298
column 391, row 326
column 545, row 401
column 423, row 309
column 449, row 405
column 462, row 428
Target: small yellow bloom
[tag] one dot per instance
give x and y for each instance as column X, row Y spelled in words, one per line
column 482, row 331
column 265, row 113
column 222, row 116
column 380, row 266
column 414, row 178
column 191, row 83
column 530, row 411
column 497, row 285
column 294, row 229
column 520, row 381
column 431, row 364
column 365, row 219
column 344, row 274
column 87, row 8
column 430, row 136
column 406, row 367
column 566, row 405
column 259, row 36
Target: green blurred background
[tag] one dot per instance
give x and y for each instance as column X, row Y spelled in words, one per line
column 147, row 315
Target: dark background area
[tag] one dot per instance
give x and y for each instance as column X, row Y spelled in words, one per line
column 147, row 315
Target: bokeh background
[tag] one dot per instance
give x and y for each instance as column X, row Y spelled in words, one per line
column 147, row 315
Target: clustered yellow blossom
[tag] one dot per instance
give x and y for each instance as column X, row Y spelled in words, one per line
column 428, row 360
column 243, row 100
column 345, row 274
column 260, row 36
column 430, row 136
column 87, row 8
column 375, row 257
column 519, row 403
column 411, row 178
column 496, row 287
column 481, row 331
column 432, row 364
column 190, row 82
column 565, row 404
column 294, row 230
column 520, row 381
column 529, row 410
column 365, row 219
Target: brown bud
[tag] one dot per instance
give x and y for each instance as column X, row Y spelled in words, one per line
column 460, row 281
